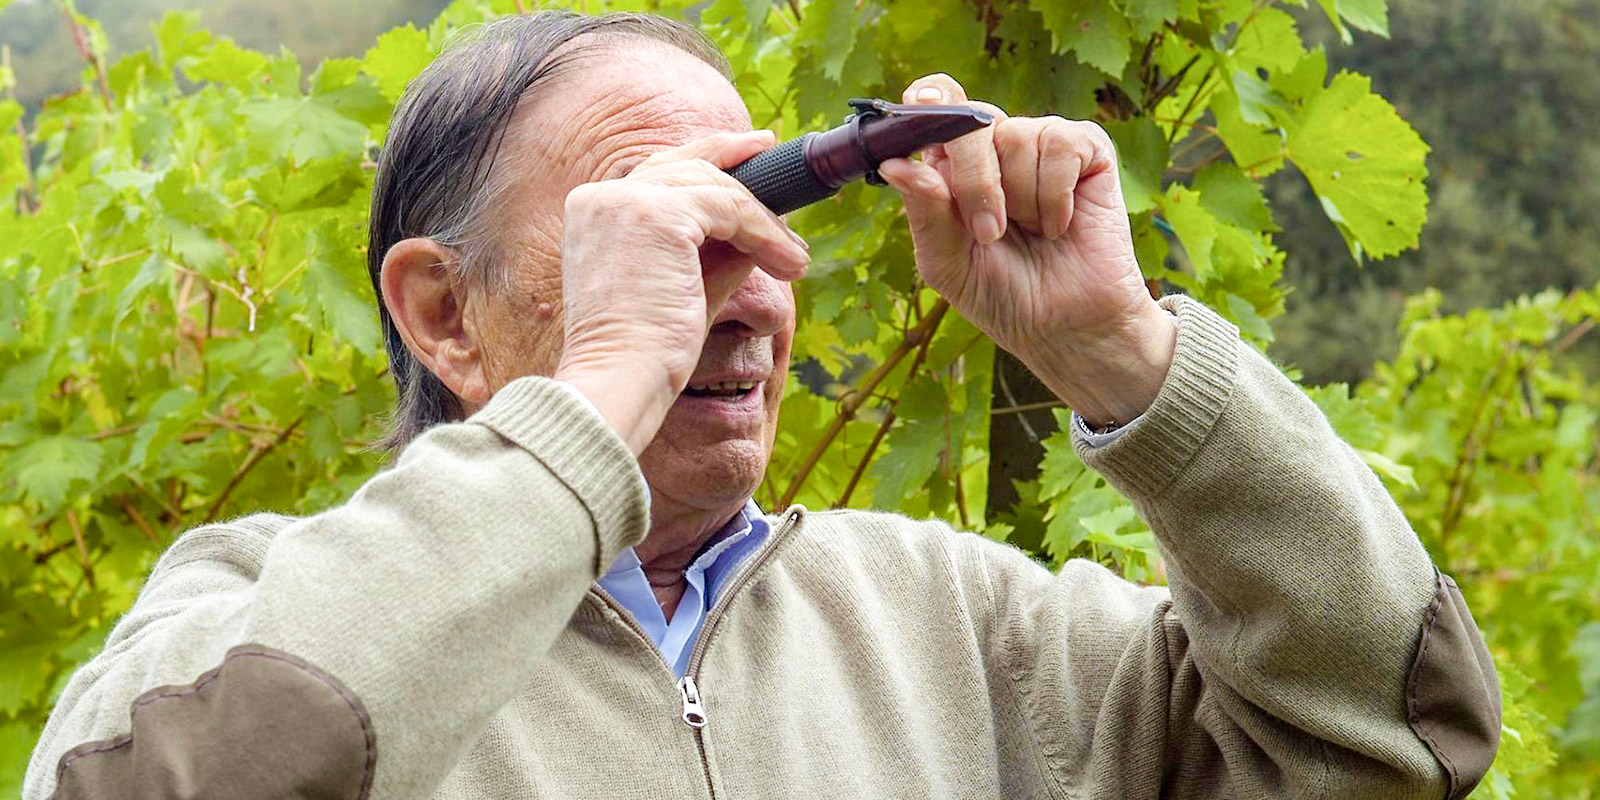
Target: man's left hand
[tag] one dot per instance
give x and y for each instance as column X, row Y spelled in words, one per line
column 1021, row 226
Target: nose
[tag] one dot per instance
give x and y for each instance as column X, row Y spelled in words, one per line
column 760, row 306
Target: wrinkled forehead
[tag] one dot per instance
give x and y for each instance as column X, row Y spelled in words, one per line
column 614, row 103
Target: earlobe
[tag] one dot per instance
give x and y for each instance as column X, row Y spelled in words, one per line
column 428, row 308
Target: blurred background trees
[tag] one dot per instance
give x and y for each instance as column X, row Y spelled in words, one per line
column 1496, row 89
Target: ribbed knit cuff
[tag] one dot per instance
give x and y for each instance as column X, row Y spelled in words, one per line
column 1145, row 461
column 571, row 439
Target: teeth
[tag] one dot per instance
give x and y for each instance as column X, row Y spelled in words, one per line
column 723, row 386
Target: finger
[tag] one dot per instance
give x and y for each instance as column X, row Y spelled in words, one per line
column 973, row 165
column 931, row 211
column 721, row 275
column 1099, row 183
column 1016, row 143
column 699, row 171
column 1061, row 161
column 734, row 216
column 1077, row 163
column 722, row 150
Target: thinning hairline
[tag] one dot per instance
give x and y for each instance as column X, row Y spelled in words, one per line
column 563, row 62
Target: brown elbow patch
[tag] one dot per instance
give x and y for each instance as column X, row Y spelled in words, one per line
column 263, row 724
column 1453, row 693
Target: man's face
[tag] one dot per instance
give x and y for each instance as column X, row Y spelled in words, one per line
column 612, row 109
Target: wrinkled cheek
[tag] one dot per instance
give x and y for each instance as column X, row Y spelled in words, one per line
column 522, row 342
column 774, row 399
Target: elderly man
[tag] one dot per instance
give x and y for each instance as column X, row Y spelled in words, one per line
column 562, row 588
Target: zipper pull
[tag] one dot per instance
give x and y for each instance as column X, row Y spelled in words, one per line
column 694, row 714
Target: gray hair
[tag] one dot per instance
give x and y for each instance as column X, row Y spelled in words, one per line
column 436, row 177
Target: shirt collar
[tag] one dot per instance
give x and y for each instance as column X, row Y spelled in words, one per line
column 737, row 530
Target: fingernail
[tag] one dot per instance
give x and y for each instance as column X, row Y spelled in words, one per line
column 986, row 226
column 929, row 94
column 799, row 241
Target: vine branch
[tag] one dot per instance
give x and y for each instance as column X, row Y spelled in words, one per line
column 851, row 402
column 80, row 39
column 256, row 454
column 861, row 468
column 883, row 427
column 83, row 547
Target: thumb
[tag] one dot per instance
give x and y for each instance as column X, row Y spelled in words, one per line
column 936, row 227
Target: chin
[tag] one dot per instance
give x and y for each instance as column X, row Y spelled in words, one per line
column 704, row 475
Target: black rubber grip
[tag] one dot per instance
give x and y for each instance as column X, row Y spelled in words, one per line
column 780, row 179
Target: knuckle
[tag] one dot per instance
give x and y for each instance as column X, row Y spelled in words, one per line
column 1056, row 141
column 1095, row 134
column 584, row 197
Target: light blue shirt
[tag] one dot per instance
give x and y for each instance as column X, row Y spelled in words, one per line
column 703, row 581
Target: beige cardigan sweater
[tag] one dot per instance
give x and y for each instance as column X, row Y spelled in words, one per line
column 441, row 635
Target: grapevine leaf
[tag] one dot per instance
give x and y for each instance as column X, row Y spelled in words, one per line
column 1389, row 468
column 194, row 248
column 398, row 56
column 1250, row 323
column 1365, row 163
column 1231, row 196
column 1142, row 156
column 180, row 38
column 1147, row 16
column 1307, row 78
column 152, row 269
column 10, row 112
column 856, row 325
column 1195, row 227
column 1371, row 16
column 24, row 675
column 302, row 129
column 17, row 737
column 924, row 398
column 1106, row 523
column 829, row 26
column 1349, row 417
column 1093, row 30
column 1258, row 103
column 226, row 63
column 338, row 286
column 12, row 167
column 1271, row 41
column 46, row 469
column 913, row 455
column 1255, row 149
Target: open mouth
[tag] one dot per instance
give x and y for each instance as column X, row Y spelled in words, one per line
column 724, row 390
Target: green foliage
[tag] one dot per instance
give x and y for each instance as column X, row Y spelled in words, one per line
column 188, row 333
column 1498, row 90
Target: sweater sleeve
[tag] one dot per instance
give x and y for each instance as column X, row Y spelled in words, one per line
column 358, row 652
column 1307, row 646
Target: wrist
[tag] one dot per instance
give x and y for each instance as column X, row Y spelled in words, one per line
column 1110, row 378
column 632, row 399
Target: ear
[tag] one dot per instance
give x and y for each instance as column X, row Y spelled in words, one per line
column 428, row 309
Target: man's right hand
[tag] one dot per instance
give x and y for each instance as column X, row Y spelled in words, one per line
column 638, row 301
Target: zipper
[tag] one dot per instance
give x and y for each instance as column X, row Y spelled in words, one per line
column 708, row 628
column 694, row 710
column 694, row 714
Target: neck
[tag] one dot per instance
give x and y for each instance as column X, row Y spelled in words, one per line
column 677, row 533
